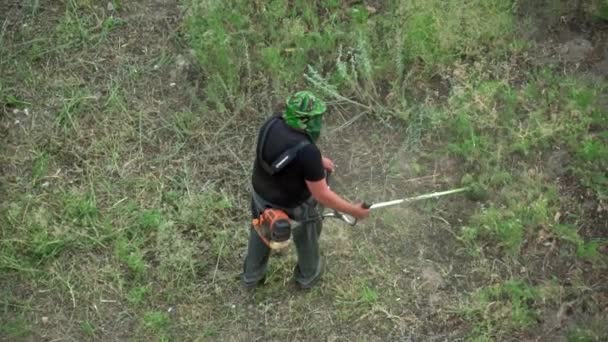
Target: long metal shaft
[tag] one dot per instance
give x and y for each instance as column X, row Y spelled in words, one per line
column 415, row 198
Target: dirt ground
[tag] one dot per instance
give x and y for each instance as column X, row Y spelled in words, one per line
column 401, row 275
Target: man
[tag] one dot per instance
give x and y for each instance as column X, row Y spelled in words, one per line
column 295, row 184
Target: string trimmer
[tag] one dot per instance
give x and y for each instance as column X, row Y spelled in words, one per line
column 353, row 221
column 274, row 225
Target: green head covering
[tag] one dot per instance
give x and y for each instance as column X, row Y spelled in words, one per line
column 305, row 111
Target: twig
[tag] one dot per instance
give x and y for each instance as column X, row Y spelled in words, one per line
column 67, row 283
column 445, row 228
column 414, row 179
column 349, row 122
column 217, row 263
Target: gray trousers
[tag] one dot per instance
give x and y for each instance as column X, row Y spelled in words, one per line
column 305, row 237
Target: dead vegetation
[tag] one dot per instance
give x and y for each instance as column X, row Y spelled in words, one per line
column 125, row 155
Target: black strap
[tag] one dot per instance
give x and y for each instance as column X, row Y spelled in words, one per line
column 285, row 158
column 262, row 142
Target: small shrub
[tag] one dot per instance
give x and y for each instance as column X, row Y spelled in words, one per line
column 137, row 294
column 501, row 309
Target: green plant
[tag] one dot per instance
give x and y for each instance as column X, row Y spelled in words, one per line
column 74, row 103
column 149, row 220
column 137, row 294
column 582, row 335
column 40, row 166
column 74, row 28
column 156, row 321
column 88, row 328
column 588, row 250
column 592, row 155
column 501, row 309
column 80, row 208
column 439, row 32
column 185, row 122
column 129, row 253
column 369, row 295
column 115, row 101
column 16, row 328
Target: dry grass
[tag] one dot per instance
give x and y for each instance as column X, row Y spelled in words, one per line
column 124, row 196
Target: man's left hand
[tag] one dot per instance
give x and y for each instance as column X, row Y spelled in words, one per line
column 328, row 164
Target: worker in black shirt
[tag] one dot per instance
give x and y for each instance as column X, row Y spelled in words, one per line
column 289, row 174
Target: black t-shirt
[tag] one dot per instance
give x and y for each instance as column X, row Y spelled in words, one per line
column 286, row 188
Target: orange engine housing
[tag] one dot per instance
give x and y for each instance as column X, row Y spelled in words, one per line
column 268, row 222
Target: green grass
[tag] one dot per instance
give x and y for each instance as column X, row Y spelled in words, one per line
column 356, row 40
column 156, row 321
column 17, row 328
column 138, row 294
column 88, row 328
column 126, row 136
column 499, row 310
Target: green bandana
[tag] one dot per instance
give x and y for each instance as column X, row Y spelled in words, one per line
column 305, row 112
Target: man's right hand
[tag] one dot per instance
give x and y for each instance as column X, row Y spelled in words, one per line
column 359, row 212
column 321, row 192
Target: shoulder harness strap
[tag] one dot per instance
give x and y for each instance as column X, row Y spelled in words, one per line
column 285, row 158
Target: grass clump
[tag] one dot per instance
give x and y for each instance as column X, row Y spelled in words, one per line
column 138, row 294
column 527, row 207
column 439, row 32
column 156, row 321
column 499, row 310
column 491, row 124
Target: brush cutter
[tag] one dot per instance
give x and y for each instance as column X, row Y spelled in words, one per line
column 353, row 221
column 274, row 225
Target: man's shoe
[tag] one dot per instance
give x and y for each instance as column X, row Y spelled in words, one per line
column 254, row 285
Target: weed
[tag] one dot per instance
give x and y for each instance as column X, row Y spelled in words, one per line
column 439, row 32
column 15, row 329
column 88, row 328
column 10, row 100
column 368, row 295
column 157, row 321
column 74, row 103
column 44, row 245
column 109, row 24
column 502, row 309
column 588, row 250
column 185, row 122
column 580, row 335
column 40, row 166
column 137, row 294
column 129, row 253
column 80, row 208
column 592, row 154
column 357, row 299
column 494, row 224
column 73, row 28
column 115, row 102
column 148, row 220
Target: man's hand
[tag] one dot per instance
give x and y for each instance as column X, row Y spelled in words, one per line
column 330, row 199
column 328, row 164
column 359, row 212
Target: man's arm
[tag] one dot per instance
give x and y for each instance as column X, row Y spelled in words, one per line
column 324, row 195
